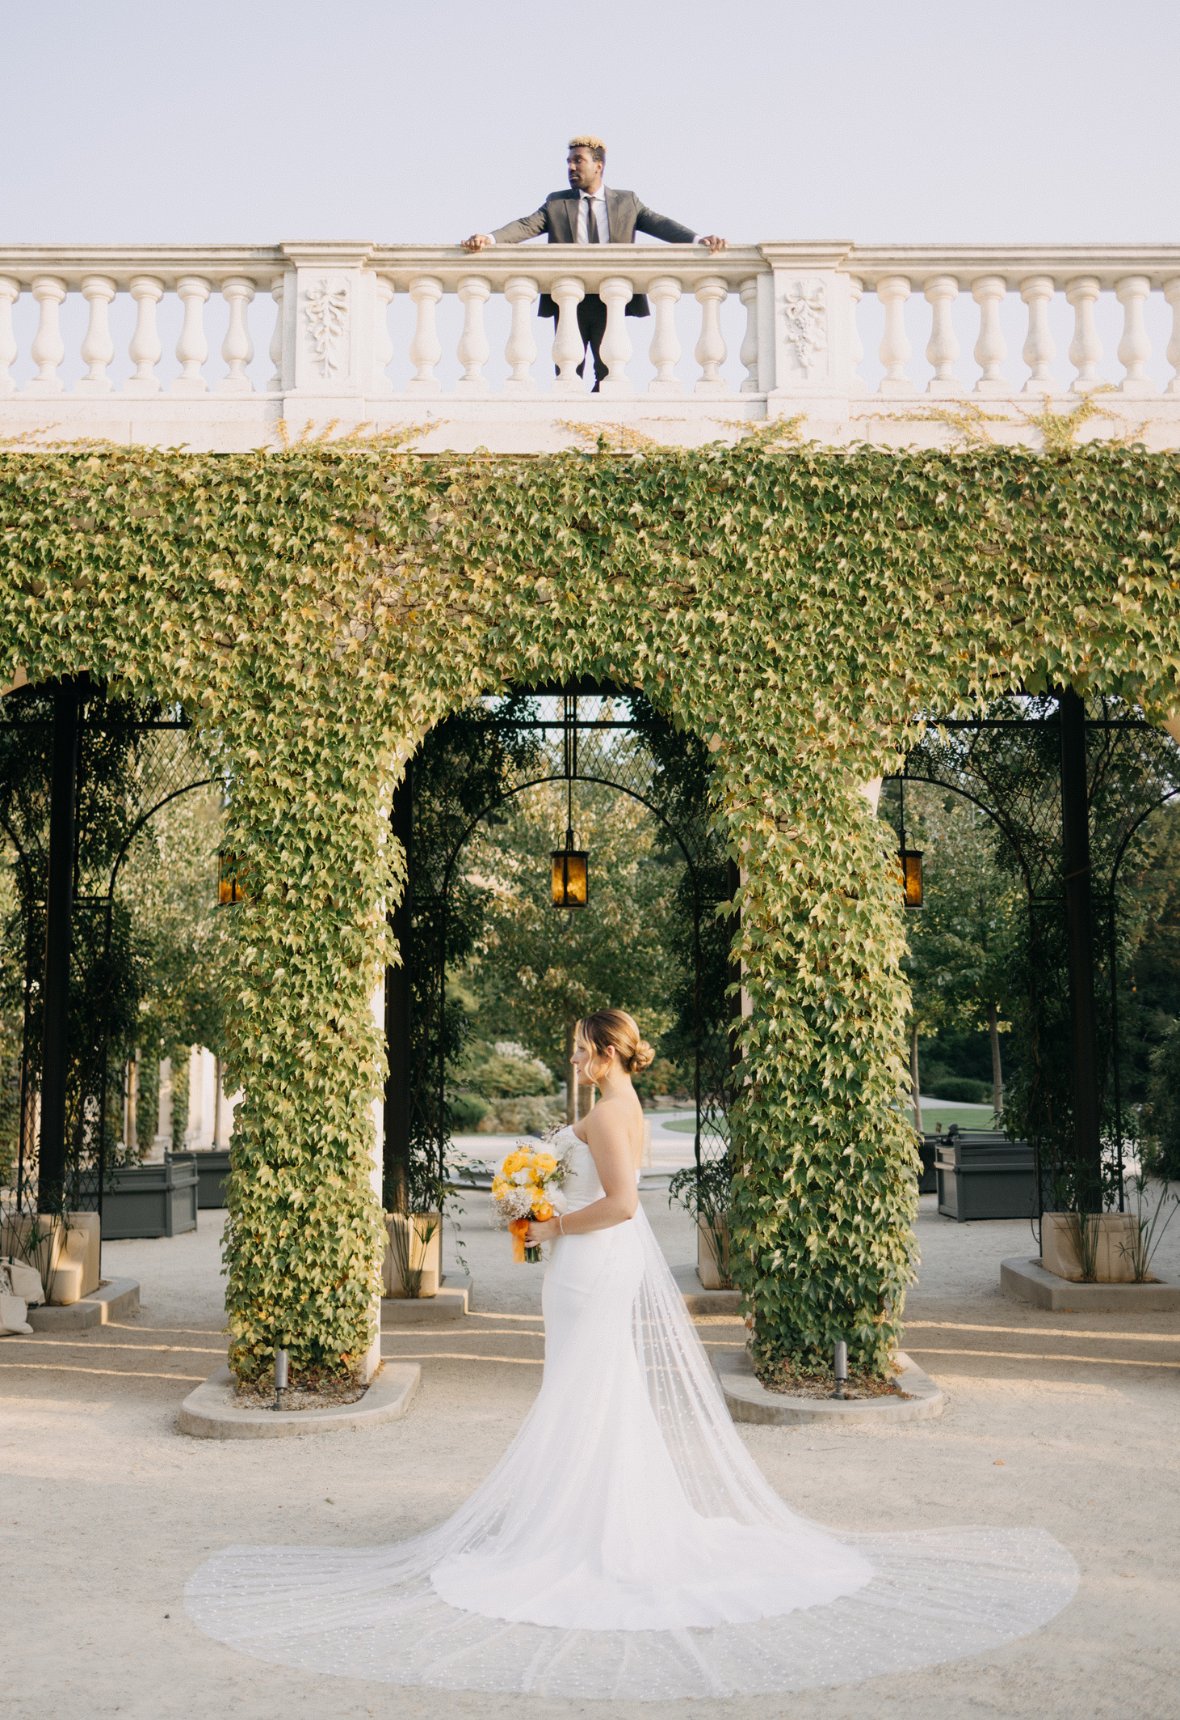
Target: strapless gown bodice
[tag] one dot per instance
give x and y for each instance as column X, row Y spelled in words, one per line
column 581, row 1185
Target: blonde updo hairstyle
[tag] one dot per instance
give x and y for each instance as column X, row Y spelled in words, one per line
column 615, row 1027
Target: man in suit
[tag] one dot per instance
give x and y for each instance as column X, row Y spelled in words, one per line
column 589, row 214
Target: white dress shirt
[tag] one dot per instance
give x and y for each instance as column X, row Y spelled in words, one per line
column 597, row 202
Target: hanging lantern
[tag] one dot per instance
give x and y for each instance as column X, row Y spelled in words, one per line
column 911, row 862
column 911, row 876
column 570, row 875
column 230, row 872
column 569, row 867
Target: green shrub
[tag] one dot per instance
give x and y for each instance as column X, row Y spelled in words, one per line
column 531, row 1114
column 466, row 1110
column 962, row 1090
column 505, row 1070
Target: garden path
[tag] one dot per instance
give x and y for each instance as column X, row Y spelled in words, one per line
column 1053, row 1419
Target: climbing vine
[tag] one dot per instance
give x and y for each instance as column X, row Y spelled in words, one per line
column 319, row 608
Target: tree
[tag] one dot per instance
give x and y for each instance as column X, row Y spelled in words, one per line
column 962, row 942
column 539, row 968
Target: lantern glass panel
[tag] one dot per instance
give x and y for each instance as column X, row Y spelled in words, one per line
column 911, row 876
column 570, row 878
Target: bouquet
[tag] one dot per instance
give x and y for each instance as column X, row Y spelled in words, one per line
column 527, row 1187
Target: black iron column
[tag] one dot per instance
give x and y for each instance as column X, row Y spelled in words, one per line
column 1079, row 925
column 59, row 913
column 397, row 1016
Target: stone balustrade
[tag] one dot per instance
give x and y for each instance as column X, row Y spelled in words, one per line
column 212, row 346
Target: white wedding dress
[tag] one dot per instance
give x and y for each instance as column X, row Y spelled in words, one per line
column 626, row 1546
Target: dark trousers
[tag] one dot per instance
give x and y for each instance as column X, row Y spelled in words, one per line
column 591, row 327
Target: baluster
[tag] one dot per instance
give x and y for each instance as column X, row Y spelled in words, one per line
column 192, row 349
column 942, row 348
column 1134, row 347
column 9, row 293
column 664, row 293
column 568, row 345
column 893, row 291
column 237, row 349
column 384, row 291
column 98, row 348
column 48, row 349
column 711, row 350
column 1171, row 294
column 275, row 385
column 145, row 348
column 748, row 293
column 616, row 292
column 856, row 346
column 474, row 350
column 1039, row 347
column 990, row 349
column 521, row 350
column 1085, row 349
column 425, row 350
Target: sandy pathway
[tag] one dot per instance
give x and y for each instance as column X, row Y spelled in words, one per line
column 1058, row 1420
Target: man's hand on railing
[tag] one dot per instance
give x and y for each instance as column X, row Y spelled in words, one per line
column 713, row 242
column 477, row 242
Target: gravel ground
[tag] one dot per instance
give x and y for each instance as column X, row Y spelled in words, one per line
column 1065, row 1421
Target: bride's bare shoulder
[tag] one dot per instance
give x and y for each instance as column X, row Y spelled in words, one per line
column 608, row 1114
column 613, row 1120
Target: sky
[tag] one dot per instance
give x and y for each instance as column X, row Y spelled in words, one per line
column 258, row 121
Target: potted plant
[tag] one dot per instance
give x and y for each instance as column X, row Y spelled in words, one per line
column 62, row 1247
column 704, row 1192
column 1082, row 1239
column 413, row 1231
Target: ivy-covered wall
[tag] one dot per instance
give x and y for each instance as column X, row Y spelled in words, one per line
column 319, row 608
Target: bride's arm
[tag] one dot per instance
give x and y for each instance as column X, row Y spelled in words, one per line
column 606, row 1136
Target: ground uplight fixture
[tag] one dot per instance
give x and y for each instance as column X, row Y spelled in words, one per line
column 569, row 867
column 840, row 1369
column 911, row 862
column 282, row 1375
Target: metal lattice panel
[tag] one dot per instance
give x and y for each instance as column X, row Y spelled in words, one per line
column 131, row 759
column 548, row 737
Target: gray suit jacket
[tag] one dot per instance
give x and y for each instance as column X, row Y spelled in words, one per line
column 557, row 218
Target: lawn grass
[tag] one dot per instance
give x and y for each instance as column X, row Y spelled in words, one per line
column 934, row 1112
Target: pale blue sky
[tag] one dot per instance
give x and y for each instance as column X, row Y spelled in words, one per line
column 905, row 120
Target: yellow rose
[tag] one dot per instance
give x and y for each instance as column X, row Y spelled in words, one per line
column 542, row 1210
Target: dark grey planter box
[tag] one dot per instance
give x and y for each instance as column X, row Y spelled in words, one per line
column 151, row 1200
column 928, row 1181
column 985, row 1176
column 212, row 1170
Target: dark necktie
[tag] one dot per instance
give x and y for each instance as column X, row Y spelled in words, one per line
column 591, row 223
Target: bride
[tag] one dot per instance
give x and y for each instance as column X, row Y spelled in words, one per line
column 626, row 1546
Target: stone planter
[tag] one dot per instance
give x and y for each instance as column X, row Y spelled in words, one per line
column 713, row 1255
column 985, row 1176
column 66, row 1257
column 212, row 1170
column 151, row 1200
column 1117, row 1233
column 414, row 1242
